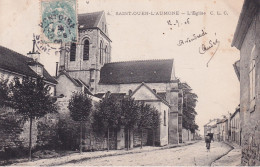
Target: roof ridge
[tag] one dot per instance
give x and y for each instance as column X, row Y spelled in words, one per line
column 19, row 63
column 91, row 12
column 99, row 19
column 149, row 60
column 68, row 76
column 14, row 51
column 151, row 90
column 149, row 71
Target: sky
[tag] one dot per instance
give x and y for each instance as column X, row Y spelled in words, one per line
column 143, row 37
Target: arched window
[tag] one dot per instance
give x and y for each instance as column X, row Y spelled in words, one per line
column 73, row 52
column 106, row 55
column 86, row 50
column 101, row 53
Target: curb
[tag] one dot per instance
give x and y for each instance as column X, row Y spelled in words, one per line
column 116, row 154
column 231, row 148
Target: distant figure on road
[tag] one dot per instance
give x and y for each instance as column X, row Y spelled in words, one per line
column 208, row 140
column 211, row 136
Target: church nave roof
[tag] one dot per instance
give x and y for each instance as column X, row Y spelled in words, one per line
column 148, row 71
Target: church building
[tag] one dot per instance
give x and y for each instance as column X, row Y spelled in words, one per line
column 88, row 67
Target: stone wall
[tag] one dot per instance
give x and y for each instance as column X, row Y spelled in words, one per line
column 173, row 128
column 96, row 141
column 137, row 138
column 91, row 140
column 180, row 128
column 14, row 131
column 186, row 135
column 10, row 129
column 250, row 110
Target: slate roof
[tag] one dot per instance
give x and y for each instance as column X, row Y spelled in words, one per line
column 148, row 71
column 162, row 95
column 18, row 63
column 89, row 20
column 118, row 96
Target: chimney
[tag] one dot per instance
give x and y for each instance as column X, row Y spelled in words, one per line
column 56, row 69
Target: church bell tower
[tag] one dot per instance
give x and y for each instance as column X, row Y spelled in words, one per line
column 84, row 59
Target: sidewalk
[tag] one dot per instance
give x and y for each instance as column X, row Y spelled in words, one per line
column 232, row 158
column 97, row 154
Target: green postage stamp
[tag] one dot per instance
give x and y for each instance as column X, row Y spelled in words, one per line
column 59, row 20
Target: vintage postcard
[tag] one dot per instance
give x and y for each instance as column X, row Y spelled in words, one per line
column 129, row 83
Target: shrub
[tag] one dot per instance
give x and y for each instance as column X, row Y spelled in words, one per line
column 13, row 152
column 47, row 137
column 68, row 132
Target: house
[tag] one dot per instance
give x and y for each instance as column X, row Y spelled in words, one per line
column 222, row 126
column 88, row 67
column 226, row 128
column 158, row 75
column 247, row 40
column 235, row 127
column 145, row 94
column 14, row 65
column 211, row 127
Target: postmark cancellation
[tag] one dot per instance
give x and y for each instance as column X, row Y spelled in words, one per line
column 59, row 21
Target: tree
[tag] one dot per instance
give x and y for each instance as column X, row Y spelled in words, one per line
column 154, row 121
column 129, row 115
column 4, row 93
column 145, row 119
column 67, row 130
column 31, row 99
column 48, row 137
column 189, row 104
column 108, row 114
column 80, row 106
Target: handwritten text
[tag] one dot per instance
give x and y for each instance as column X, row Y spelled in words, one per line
column 193, row 38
